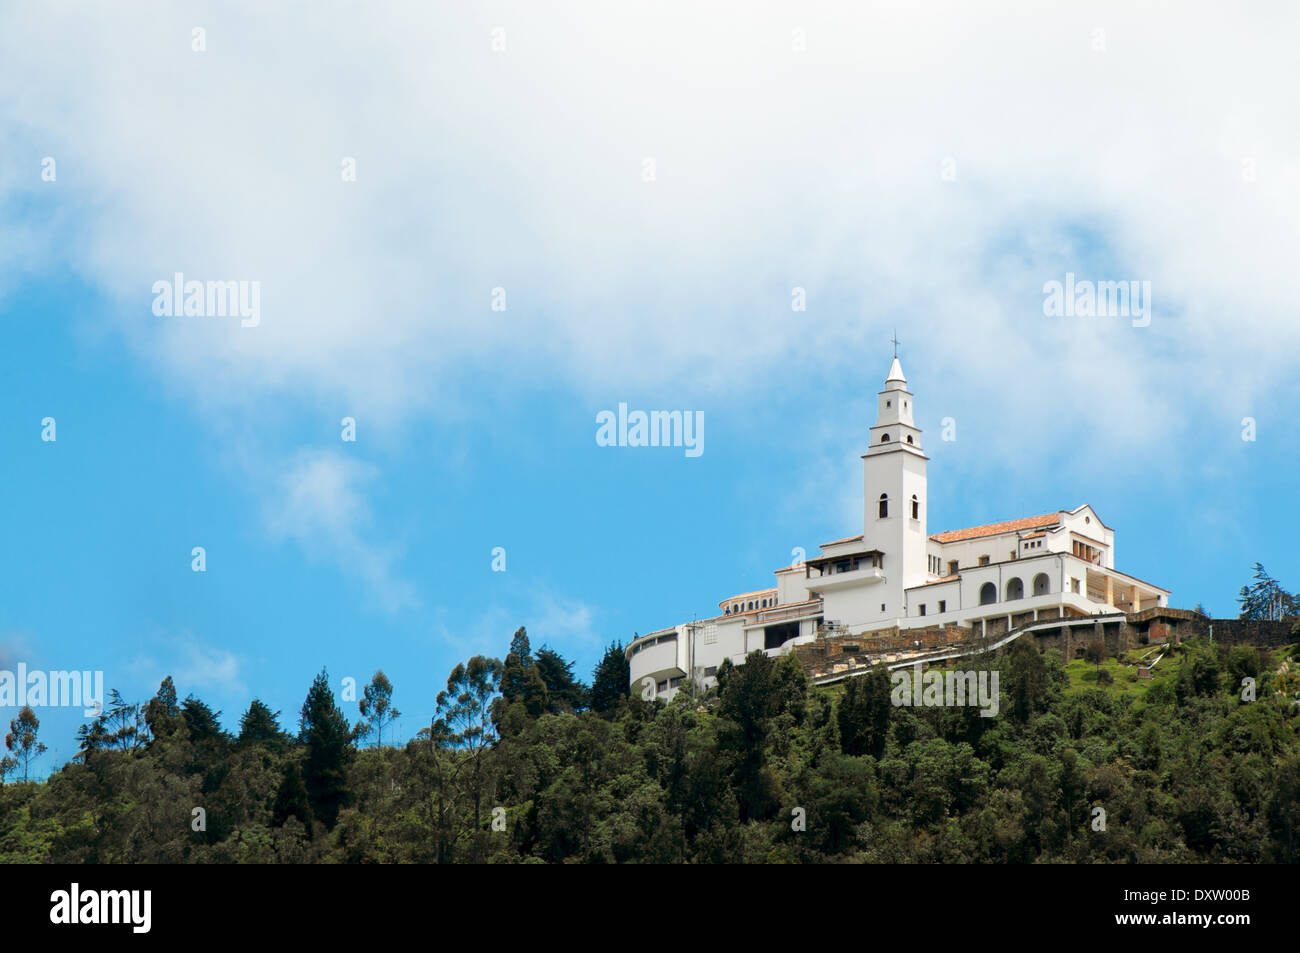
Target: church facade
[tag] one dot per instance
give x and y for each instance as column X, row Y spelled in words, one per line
column 990, row 578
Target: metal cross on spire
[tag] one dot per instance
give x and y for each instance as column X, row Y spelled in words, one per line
column 894, row 339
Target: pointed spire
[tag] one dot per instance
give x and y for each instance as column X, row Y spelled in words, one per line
column 896, row 372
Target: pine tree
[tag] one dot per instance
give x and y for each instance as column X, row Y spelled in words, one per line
column 161, row 714
column 202, row 722
column 260, row 725
column 609, row 683
column 325, row 732
column 563, row 691
column 521, row 681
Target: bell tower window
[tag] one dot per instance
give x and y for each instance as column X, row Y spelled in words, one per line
column 916, row 507
column 884, row 506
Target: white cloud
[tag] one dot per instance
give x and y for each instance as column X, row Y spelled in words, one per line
column 194, row 667
column 320, row 504
column 775, row 168
column 566, row 625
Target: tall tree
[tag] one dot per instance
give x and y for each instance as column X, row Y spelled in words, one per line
column 121, row 726
column 1030, row 686
column 751, row 697
column 377, row 708
column 463, row 723
column 22, row 740
column 864, row 713
column 201, row 721
column 563, row 691
column 521, row 681
column 519, row 646
column 1265, row 598
column 162, row 711
column 324, row 730
column 260, row 725
column 609, row 683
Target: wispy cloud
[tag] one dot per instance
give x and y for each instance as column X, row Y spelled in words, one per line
column 566, row 625
column 193, row 665
column 320, row 504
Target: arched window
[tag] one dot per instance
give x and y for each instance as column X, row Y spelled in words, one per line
column 1015, row 588
column 916, row 507
column 909, row 438
column 884, row 506
column 884, row 438
column 1041, row 585
column 988, row 594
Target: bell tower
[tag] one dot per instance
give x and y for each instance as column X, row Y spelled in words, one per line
column 894, row 490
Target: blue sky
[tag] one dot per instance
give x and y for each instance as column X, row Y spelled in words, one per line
column 524, row 169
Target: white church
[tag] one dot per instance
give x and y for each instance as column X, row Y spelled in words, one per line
column 992, row 578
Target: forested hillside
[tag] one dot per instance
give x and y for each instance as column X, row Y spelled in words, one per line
column 522, row 762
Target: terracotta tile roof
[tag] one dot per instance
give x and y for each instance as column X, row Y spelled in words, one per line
column 846, row 539
column 995, row 529
column 789, row 568
column 756, row 592
column 935, row 582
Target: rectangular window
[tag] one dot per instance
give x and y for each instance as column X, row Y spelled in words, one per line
column 710, row 634
column 923, row 609
column 984, row 560
column 943, row 605
column 952, row 567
